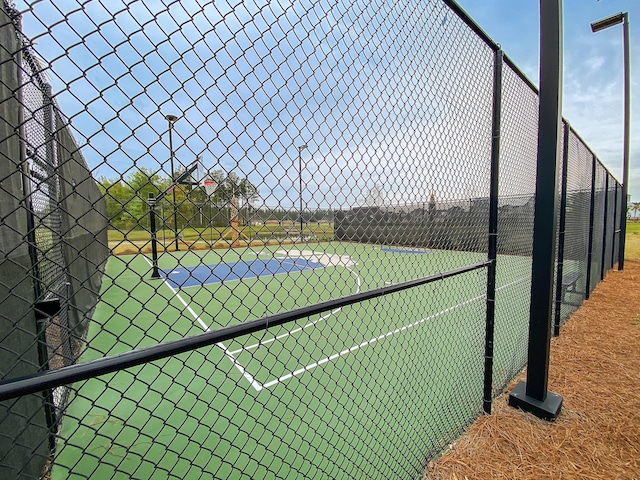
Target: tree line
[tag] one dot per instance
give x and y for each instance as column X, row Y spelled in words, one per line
column 127, row 199
column 128, row 209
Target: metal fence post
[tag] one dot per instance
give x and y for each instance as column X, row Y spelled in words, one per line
column 561, row 227
column 533, row 396
column 592, row 205
column 603, row 269
column 493, row 230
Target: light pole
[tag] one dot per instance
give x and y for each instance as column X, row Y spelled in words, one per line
column 596, row 27
column 171, row 119
column 300, row 149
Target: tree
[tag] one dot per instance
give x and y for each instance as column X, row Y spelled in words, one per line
column 141, row 182
column 126, row 200
column 232, row 189
column 248, row 191
column 116, row 196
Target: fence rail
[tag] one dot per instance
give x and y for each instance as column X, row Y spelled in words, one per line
column 348, row 293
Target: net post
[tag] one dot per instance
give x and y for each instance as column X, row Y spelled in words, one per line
column 493, row 230
column 155, row 273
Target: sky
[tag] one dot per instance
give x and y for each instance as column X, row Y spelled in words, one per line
column 392, row 97
column 593, row 68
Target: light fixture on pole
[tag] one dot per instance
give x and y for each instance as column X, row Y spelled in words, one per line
column 300, row 149
column 171, row 119
column 596, row 27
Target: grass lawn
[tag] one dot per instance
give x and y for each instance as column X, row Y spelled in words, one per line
column 632, row 243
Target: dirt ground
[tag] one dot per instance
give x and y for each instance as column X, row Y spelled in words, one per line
column 595, row 367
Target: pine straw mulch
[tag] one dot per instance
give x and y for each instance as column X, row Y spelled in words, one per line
column 595, row 366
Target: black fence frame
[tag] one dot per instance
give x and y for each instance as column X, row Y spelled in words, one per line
column 597, row 264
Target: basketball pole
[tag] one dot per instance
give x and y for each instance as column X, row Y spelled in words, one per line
column 152, row 201
column 171, row 119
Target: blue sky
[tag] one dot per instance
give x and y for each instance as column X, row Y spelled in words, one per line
column 251, row 80
column 593, row 81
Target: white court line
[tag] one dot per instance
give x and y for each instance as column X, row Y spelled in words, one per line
column 378, row 338
column 287, row 261
column 299, row 329
column 256, row 385
column 262, row 343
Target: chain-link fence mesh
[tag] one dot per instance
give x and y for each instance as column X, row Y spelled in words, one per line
column 252, row 240
column 609, row 252
column 577, row 211
column 518, row 146
column 64, row 231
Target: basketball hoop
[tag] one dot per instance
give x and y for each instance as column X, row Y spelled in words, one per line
column 209, row 186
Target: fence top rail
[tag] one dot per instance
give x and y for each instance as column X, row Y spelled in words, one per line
column 37, row 382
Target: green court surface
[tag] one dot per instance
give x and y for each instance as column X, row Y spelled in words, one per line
column 373, row 388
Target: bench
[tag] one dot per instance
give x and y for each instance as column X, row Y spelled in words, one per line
column 569, row 281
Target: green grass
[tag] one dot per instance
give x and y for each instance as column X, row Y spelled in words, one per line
column 371, row 389
column 319, row 230
column 633, row 228
column 632, row 241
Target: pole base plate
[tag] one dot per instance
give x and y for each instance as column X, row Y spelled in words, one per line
column 549, row 409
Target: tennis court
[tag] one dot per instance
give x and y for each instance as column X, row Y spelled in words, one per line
column 293, row 396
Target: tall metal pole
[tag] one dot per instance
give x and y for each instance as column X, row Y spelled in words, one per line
column 613, row 234
column 627, row 123
column 605, row 233
column 533, row 396
column 622, row 17
column 592, row 206
column 300, row 149
column 171, row 119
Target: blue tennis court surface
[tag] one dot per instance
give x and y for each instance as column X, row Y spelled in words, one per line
column 223, row 272
column 405, row 250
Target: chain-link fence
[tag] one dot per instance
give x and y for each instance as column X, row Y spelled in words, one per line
column 260, row 242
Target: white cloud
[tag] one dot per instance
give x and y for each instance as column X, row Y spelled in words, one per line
column 594, row 63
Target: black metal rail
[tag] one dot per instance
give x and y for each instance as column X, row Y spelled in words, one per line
column 83, row 371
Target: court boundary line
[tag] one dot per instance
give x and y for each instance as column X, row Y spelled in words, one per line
column 337, row 355
column 299, row 329
column 231, row 354
column 258, row 386
column 252, row 381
